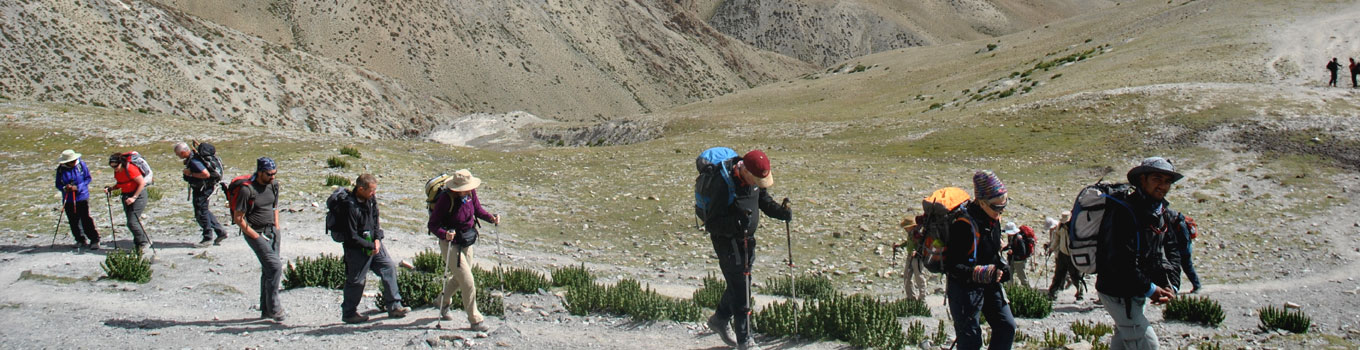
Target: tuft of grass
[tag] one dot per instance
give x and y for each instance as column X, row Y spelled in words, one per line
column 155, row 193
column 860, row 320
column 572, row 276
column 1090, row 331
column 628, row 297
column 1054, row 339
column 127, row 265
column 326, row 271
column 711, row 293
column 1273, row 318
column 351, row 151
column 941, row 334
column 808, row 286
column 337, row 180
column 335, row 162
column 1027, row 302
column 1201, row 310
column 916, row 332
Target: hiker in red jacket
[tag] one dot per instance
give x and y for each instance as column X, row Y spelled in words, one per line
column 133, row 187
column 1355, row 70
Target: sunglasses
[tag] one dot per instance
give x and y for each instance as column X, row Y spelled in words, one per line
column 272, row 173
column 998, row 207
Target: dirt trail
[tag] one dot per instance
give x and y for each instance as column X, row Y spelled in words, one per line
column 1303, row 47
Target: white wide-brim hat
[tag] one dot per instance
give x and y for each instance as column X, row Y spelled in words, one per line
column 1010, row 229
column 67, row 156
column 462, row 181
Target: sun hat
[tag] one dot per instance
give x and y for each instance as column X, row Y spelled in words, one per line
column 1051, row 223
column 758, row 165
column 1153, row 165
column 987, row 186
column 462, row 180
column 1010, row 229
column 68, row 156
column 1065, row 216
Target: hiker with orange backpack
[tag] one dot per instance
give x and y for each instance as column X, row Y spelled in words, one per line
column 73, row 180
column 975, row 269
column 254, row 210
column 132, row 184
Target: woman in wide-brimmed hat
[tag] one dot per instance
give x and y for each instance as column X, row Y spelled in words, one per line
column 73, row 180
column 454, row 220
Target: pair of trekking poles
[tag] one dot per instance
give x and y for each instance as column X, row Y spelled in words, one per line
column 793, row 289
column 439, row 321
column 108, row 203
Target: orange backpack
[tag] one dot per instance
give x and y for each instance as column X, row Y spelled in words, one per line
column 941, row 209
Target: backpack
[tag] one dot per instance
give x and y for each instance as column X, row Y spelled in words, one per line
column 333, row 206
column 433, row 188
column 940, row 210
column 1191, row 226
column 206, row 153
column 713, row 164
column 1089, row 224
column 134, row 158
column 1023, row 245
column 230, row 190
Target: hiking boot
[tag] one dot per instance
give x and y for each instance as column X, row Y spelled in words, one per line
column 480, row 327
column 221, row 236
column 278, row 317
column 204, row 243
column 444, row 313
column 722, row 326
column 749, row 344
column 356, row 318
column 142, row 248
column 397, row 311
column 93, row 246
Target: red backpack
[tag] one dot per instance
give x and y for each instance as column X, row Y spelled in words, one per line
column 232, row 189
column 1026, row 239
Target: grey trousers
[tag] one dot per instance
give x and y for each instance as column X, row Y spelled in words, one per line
column 271, row 269
column 357, row 264
column 1132, row 330
column 133, row 215
column 206, row 221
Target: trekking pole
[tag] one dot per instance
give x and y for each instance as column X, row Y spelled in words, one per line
column 57, row 228
column 497, row 232
column 788, row 241
column 746, row 257
column 112, row 229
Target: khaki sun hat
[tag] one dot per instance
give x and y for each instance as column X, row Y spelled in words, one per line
column 67, row 156
column 462, row 180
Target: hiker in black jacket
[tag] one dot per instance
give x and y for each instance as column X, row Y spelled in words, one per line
column 1333, row 67
column 732, row 231
column 1138, row 257
column 364, row 251
column 975, row 268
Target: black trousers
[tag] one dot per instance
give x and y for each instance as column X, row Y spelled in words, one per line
column 357, row 265
column 1064, row 272
column 82, row 226
column 735, row 256
column 206, row 221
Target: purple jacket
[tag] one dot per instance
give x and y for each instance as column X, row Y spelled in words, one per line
column 78, row 175
column 458, row 217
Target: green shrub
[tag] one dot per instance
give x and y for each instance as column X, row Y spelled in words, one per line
column 429, row 261
column 127, row 265
column 1209, row 346
column 860, row 320
column 421, row 289
column 1091, row 331
column 326, row 271
column 628, row 297
column 1028, row 302
column 808, row 286
column 572, row 276
column 907, row 307
column 1053, row 339
column 1200, row 310
column 351, row 151
column 154, row 193
column 1276, row 318
column 337, row 180
column 916, row 333
column 780, row 319
column 711, row 293
column 335, row 162
column 514, row 279
column 941, row 334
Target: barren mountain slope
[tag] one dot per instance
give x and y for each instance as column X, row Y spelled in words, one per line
column 829, row 31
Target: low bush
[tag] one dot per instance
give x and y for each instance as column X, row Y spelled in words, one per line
column 513, row 279
column 572, row 276
column 628, row 297
column 860, row 320
column 1201, row 310
column 421, row 289
column 1027, row 302
column 807, row 286
column 1054, row 339
column 337, row 180
column 326, row 271
column 1090, row 331
column 712, row 291
column 335, row 162
column 941, row 334
column 351, row 151
column 907, row 307
column 428, row 261
column 127, row 265
column 916, row 333
column 1276, row 318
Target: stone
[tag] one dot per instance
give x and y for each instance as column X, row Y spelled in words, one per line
column 1292, row 305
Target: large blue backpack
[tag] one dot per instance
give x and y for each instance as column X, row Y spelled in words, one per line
column 714, row 166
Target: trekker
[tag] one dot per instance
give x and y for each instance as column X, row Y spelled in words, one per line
column 913, row 276
column 1019, row 246
column 364, row 252
column 1186, row 232
column 1064, row 270
column 975, row 275
column 454, row 220
column 133, row 187
column 1136, row 254
column 1355, row 71
column 73, row 180
column 732, row 230
column 200, row 191
column 1333, row 67
column 258, row 219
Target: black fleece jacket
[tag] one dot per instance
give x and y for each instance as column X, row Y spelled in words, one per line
column 361, row 217
column 958, row 258
column 741, row 219
column 1139, row 253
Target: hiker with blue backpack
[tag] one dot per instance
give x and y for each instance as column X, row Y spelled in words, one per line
column 973, row 263
column 73, row 180
column 730, row 194
column 1135, row 253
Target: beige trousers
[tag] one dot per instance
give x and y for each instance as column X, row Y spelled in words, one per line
column 458, row 276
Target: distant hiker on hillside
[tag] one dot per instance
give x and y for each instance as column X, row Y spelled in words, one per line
column 975, row 268
column 1185, row 232
column 258, row 218
column 454, row 220
column 1019, row 246
column 1139, row 256
column 73, row 181
column 1333, row 66
column 913, row 275
column 732, row 230
column 1064, row 272
column 201, row 185
column 133, row 187
column 1355, row 72
column 358, row 218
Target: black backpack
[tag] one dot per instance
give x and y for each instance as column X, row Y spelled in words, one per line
column 207, row 154
column 334, row 204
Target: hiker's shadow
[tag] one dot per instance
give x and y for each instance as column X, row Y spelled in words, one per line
column 370, row 326
column 255, row 324
column 48, row 249
column 768, row 343
column 1075, row 308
